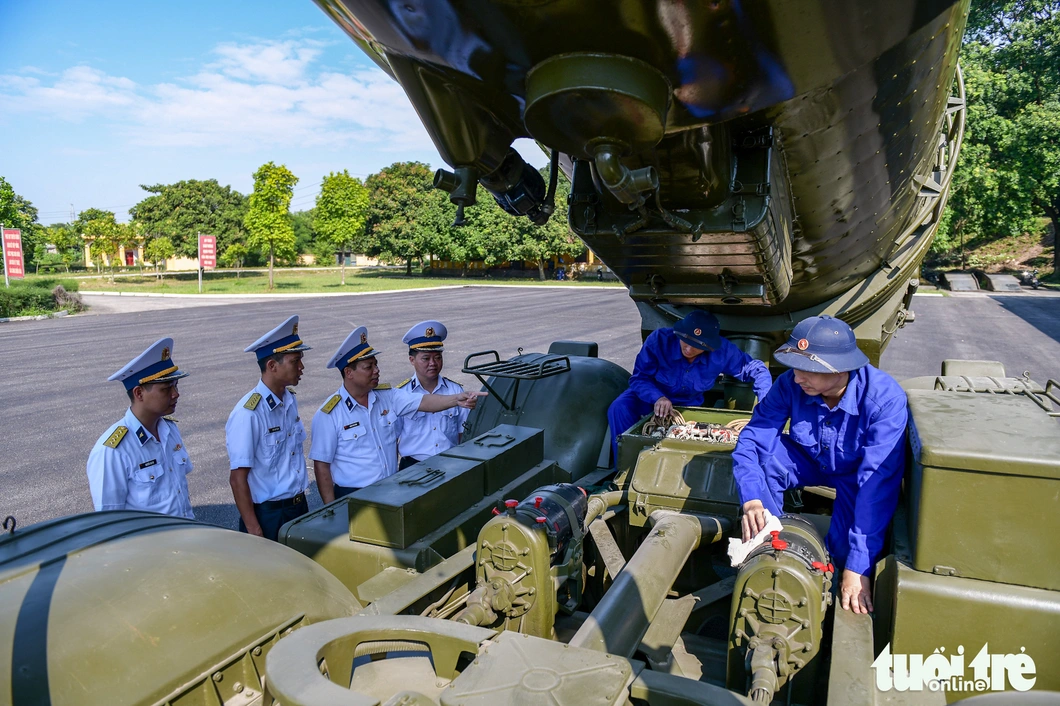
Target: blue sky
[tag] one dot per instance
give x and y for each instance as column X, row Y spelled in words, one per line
column 99, row 97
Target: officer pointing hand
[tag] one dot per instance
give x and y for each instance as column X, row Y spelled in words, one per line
column 469, row 399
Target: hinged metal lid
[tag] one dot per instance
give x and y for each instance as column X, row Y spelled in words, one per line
column 1002, row 434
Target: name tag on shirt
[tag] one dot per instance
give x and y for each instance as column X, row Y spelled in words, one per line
column 148, row 464
column 272, row 429
column 351, row 426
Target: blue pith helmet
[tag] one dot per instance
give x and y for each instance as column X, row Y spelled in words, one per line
column 821, row 344
column 699, row 329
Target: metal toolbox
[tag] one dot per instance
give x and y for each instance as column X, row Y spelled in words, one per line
column 977, row 501
column 506, row 452
column 398, row 510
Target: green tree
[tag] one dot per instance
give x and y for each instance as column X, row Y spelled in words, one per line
column 1009, row 171
column 17, row 212
column 157, row 251
column 106, row 237
column 234, row 256
column 67, row 241
column 403, row 213
column 180, row 211
column 554, row 239
column 268, row 221
column 341, row 214
column 305, row 235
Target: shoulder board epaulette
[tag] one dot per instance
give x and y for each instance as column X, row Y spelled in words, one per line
column 252, row 403
column 404, row 382
column 115, row 438
column 291, row 390
column 330, row 404
column 170, row 419
column 384, row 386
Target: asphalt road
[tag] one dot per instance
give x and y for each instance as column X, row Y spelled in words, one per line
column 55, row 400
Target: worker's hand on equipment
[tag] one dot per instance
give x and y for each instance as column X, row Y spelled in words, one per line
column 663, row 407
column 753, row 518
column 854, row 594
column 469, row 399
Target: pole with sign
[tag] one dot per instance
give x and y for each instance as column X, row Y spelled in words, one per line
column 207, row 255
column 12, row 251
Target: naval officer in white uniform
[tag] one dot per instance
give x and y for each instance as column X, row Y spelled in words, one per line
column 264, row 436
column 140, row 462
column 425, row 434
column 355, row 433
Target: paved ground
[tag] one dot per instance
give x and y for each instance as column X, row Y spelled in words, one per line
column 56, row 401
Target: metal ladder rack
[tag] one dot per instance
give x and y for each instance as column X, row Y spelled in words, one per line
column 514, row 370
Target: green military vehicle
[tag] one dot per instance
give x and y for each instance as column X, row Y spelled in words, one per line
column 767, row 161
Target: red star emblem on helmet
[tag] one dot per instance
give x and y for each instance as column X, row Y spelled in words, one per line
column 803, row 344
column 698, row 332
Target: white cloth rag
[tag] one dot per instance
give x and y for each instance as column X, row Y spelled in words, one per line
column 738, row 549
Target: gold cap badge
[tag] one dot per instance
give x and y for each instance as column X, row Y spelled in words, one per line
column 364, row 338
column 165, row 354
column 429, row 331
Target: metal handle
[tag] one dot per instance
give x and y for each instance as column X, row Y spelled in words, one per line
column 429, row 476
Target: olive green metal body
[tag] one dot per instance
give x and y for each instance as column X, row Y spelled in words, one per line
column 378, row 538
column 579, row 443
column 778, row 607
column 132, row 608
column 769, row 160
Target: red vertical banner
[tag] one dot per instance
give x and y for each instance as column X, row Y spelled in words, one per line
column 208, row 252
column 13, row 264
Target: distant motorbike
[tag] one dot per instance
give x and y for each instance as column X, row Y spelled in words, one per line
column 1030, row 277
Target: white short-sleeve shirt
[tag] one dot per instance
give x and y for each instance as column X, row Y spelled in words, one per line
column 360, row 442
column 137, row 471
column 428, row 433
column 268, row 440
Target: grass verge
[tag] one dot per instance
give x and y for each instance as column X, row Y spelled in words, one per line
column 37, row 296
column 291, row 281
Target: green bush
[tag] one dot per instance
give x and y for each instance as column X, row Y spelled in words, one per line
column 33, row 296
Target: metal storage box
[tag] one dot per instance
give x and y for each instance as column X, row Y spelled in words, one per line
column 674, row 474
column 506, row 452
column 398, row 510
column 980, row 500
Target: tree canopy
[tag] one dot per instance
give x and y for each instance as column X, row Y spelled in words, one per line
column 341, row 214
column 1008, row 175
column 268, row 220
column 404, row 208
column 18, row 212
column 183, row 210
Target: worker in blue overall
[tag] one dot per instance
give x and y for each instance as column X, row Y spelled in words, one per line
column 847, row 431
column 676, row 366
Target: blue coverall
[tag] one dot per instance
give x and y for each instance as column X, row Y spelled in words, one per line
column 858, row 448
column 661, row 371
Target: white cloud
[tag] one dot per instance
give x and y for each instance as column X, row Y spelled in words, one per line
column 272, row 62
column 251, row 96
column 78, row 92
